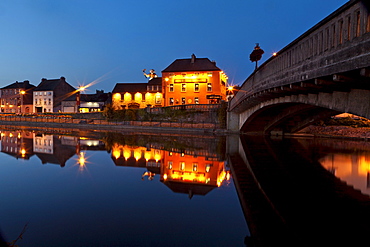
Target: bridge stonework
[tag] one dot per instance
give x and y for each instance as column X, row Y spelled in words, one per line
column 323, row 72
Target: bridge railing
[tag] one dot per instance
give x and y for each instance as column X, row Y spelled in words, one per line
column 339, row 43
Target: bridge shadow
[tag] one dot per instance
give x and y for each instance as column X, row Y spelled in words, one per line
column 289, row 199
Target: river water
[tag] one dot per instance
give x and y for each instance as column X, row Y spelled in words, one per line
column 64, row 188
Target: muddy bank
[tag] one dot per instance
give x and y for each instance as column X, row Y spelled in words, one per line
column 338, row 132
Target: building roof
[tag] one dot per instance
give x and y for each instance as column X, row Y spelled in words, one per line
column 51, row 84
column 96, row 97
column 130, row 88
column 192, row 64
column 16, row 85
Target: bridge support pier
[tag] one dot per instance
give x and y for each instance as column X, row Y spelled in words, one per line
column 233, row 122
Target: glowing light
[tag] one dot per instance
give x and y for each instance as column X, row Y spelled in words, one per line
column 116, row 153
column 22, row 92
column 23, row 152
column 165, row 176
column 81, row 159
column 230, row 88
column 274, row 54
column 166, row 79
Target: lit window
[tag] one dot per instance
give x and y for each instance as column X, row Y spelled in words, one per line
column 196, row 87
column 208, row 167
column 183, row 87
column 195, row 167
column 169, row 153
column 196, row 100
column 170, row 165
column 183, row 101
column 171, row 88
column 209, row 87
column 158, row 99
column 182, row 165
column 171, row 101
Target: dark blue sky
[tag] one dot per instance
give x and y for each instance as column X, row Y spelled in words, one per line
column 110, row 41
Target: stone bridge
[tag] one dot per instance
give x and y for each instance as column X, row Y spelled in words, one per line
column 324, row 72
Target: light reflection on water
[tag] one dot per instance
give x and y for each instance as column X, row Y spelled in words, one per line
column 353, row 169
column 117, row 190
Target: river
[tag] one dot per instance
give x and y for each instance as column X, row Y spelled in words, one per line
column 72, row 188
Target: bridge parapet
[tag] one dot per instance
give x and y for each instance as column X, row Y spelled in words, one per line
column 333, row 52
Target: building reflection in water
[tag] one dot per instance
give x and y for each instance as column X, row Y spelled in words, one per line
column 354, row 169
column 181, row 172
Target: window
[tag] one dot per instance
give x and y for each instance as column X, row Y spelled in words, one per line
column 35, row 101
column 171, row 101
column 171, row 88
column 183, row 101
column 196, row 87
column 209, row 87
column 158, row 99
column 183, row 87
column 208, row 167
column 49, row 101
column 36, row 93
column 170, row 165
column 44, row 93
column 195, row 167
column 182, row 165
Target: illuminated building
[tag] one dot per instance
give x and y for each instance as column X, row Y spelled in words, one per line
column 17, row 97
column 49, row 95
column 94, row 102
column 193, row 81
column 138, row 95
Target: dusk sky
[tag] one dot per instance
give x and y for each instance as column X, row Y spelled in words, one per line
column 112, row 41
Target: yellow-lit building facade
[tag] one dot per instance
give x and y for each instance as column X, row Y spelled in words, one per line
column 138, row 95
column 193, row 81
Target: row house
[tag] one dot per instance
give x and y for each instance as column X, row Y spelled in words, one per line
column 17, row 97
column 49, row 95
column 138, row 95
column 185, row 81
column 193, row 81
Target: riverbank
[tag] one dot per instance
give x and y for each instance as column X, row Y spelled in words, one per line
column 347, row 132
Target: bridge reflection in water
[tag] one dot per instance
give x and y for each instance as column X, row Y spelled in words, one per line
column 291, row 196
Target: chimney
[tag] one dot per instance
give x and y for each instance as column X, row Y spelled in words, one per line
column 62, row 78
column 43, row 79
column 26, row 83
column 193, row 58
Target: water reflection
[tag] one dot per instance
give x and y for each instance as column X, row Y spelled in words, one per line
column 188, row 166
column 299, row 192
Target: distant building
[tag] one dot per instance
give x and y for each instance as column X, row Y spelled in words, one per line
column 17, row 97
column 193, row 81
column 49, row 95
column 138, row 95
column 94, row 102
